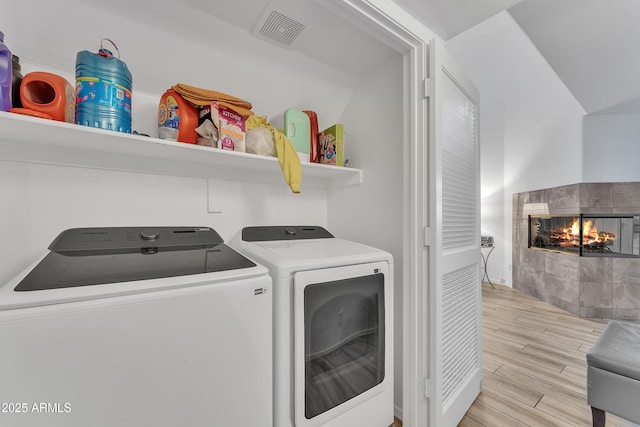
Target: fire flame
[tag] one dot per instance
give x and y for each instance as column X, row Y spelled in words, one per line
column 570, row 236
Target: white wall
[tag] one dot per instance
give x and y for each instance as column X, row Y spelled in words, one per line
column 372, row 213
column 530, row 128
column 164, row 47
column 611, row 150
column 44, row 200
column 40, row 201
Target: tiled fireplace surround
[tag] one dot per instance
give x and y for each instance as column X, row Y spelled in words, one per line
column 601, row 287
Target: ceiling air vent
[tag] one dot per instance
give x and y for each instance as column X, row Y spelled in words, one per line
column 278, row 28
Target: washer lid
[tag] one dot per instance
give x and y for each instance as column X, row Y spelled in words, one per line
column 285, row 257
column 104, row 240
column 284, row 232
column 95, row 256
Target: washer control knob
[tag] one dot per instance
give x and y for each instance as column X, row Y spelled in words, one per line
column 149, row 235
column 290, row 231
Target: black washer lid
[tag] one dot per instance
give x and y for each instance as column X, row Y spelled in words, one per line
column 103, row 240
column 99, row 256
column 284, row 232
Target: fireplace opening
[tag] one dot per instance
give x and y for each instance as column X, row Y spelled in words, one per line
column 587, row 234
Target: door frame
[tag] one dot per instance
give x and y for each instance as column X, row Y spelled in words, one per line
column 395, row 27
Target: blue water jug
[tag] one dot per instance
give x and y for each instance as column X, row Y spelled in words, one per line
column 5, row 75
column 103, row 90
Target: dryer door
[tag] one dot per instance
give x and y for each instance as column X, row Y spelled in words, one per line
column 342, row 342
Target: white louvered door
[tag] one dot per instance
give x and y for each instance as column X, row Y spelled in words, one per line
column 455, row 347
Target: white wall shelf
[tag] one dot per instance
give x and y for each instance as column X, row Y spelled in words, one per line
column 34, row 140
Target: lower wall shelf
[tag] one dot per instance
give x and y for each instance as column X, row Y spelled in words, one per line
column 33, row 140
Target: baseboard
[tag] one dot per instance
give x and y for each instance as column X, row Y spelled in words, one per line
column 507, row 283
column 397, row 413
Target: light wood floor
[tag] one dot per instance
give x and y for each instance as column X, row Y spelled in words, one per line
column 534, row 364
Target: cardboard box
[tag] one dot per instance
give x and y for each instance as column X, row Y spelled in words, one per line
column 332, row 145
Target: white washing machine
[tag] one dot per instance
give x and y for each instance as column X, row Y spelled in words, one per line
column 137, row 327
column 333, row 331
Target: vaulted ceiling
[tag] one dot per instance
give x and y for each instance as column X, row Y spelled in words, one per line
column 592, row 45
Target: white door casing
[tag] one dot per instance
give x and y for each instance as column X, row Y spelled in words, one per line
column 385, row 20
column 440, row 348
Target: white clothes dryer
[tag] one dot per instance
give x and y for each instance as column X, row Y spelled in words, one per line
column 136, row 326
column 333, row 331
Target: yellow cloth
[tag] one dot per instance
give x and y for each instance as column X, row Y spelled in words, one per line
column 198, row 96
column 287, row 156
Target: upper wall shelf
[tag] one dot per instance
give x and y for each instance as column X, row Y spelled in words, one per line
column 33, row 140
